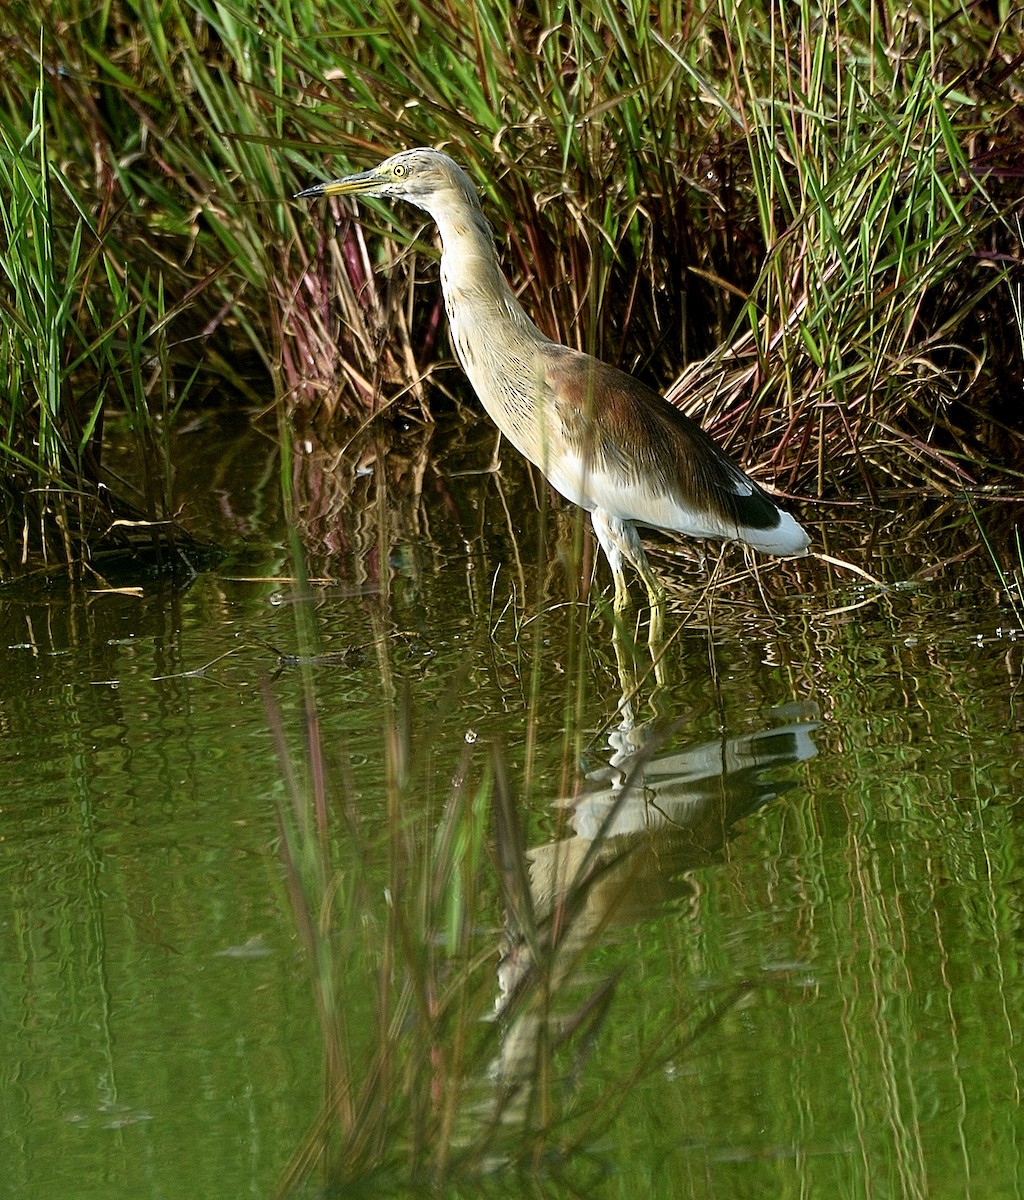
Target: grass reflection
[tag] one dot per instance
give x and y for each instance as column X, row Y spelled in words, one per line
column 456, row 957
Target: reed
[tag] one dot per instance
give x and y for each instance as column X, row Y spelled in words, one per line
column 67, row 363
column 817, row 209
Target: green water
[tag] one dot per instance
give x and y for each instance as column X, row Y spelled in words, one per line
column 845, row 895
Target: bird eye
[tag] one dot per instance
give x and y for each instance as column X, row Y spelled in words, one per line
column 398, row 170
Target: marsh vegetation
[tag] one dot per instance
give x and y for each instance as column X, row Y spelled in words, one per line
column 803, row 223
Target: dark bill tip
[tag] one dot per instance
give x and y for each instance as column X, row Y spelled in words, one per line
column 316, row 190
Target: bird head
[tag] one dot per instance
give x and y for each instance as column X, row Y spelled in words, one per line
column 423, row 177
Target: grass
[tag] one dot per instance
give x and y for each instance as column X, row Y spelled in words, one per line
column 818, row 209
column 67, row 363
column 1004, row 548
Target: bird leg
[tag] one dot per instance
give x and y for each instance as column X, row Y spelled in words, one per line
column 495, row 460
column 620, row 540
column 623, row 599
column 656, row 599
column 608, row 531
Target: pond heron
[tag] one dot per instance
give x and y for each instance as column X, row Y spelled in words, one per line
column 603, row 439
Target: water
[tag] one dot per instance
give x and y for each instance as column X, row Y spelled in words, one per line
column 825, row 870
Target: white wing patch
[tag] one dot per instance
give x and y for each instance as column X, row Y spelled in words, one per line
column 634, row 502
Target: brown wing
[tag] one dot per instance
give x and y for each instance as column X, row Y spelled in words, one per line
column 623, row 427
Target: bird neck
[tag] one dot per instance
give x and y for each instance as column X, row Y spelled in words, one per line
column 471, row 274
column 465, row 232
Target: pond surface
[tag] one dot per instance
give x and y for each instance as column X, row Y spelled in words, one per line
column 821, row 927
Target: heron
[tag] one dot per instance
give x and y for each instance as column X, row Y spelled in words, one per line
column 603, row 439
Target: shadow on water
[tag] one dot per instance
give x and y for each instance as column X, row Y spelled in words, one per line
column 562, row 913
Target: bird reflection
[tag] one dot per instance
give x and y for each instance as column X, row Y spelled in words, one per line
column 650, row 814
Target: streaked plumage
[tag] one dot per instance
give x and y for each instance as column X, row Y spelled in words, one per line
column 605, row 440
